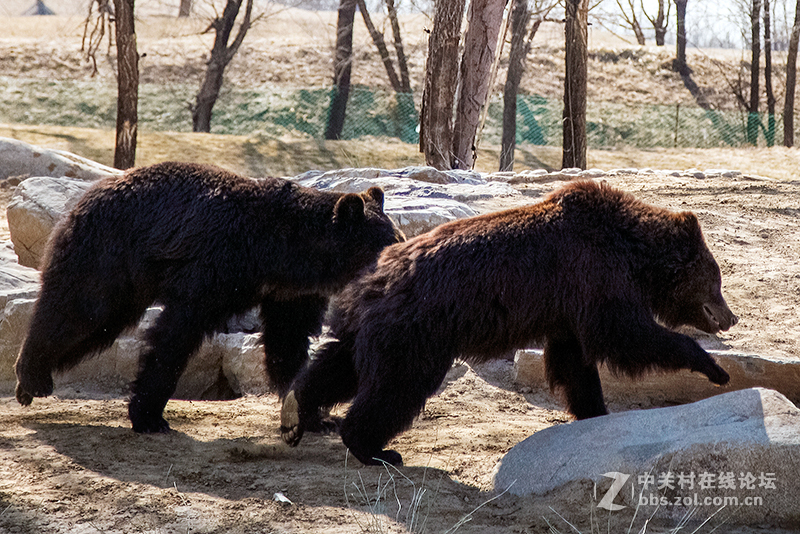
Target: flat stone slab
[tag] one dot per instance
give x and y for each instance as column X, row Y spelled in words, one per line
column 658, row 389
column 739, row 452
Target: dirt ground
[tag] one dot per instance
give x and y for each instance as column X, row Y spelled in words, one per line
column 73, row 465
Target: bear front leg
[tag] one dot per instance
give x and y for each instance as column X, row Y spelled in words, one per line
column 286, row 331
column 671, row 350
column 328, row 380
column 629, row 340
column 567, row 370
column 174, row 337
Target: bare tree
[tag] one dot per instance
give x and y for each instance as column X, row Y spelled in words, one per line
column 100, row 24
column 380, row 44
column 660, row 21
column 770, row 134
column 441, row 77
column 575, row 80
column 791, row 81
column 402, row 62
column 480, row 42
column 342, row 67
column 755, row 71
column 680, row 66
column 127, row 85
column 631, row 20
column 221, row 56
column 520, row 48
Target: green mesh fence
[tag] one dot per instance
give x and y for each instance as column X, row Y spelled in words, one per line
column 291, row 112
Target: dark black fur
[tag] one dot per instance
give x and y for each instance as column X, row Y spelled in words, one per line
column 207, row 245
column 586, row 271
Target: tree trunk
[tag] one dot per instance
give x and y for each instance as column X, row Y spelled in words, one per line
column 185, row 8
column 791, row 81
column 681, row 66
column 402, row 62
column 127, row 85
column 441, row 77
column 520, row 17
column 221, row 55
column 380, row 44
column 341, row 69
column 659, row 22
column 755, row 71
column 574, row 123
column 770, row 135
column 480, row 42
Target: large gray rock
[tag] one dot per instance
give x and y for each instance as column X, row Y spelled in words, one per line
column 417, row 198
column 35, row 207
column 741, row 447
column 21, row 160
column 18, row 289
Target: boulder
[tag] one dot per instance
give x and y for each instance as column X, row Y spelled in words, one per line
column 659, row 389
column 35, row 207
column 738, row 451
column 18, row 289
column 417, row 198
column 20, row 160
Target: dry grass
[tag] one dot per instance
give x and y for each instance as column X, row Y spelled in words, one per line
column 260, row 156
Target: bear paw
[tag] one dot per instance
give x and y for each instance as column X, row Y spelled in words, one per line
column 716, row 374
column 291, row 431
column 30, row 387
column 386, row 456
column 151, row 426
column 23, row 397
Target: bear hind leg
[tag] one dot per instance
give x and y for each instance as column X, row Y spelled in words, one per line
column 328, row 380
column 286, row 331
column 580, row 382
column 63, row 332
column 389, row 399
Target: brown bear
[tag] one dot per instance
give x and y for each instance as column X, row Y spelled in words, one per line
column 206, row 244
column 590, row 271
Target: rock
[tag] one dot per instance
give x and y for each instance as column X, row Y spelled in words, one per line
column 415, row 206
column 243, row 363
column 13, row 326
column 739, row 449
column 35, row 207
column 18, row 289
column 658, row 389
column 416, row 216
column 16, row 281
column 21, row 160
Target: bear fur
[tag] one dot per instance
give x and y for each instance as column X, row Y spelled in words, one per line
column 590, row 271
column 207, row 245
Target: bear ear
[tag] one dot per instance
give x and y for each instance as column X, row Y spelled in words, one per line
column 375, row 194
column 349, row 208
column 689, row 219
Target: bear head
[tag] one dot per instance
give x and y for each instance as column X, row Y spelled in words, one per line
column 693, row 294
column 361, row 229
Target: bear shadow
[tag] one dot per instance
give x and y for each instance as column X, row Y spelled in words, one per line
column 237, row 468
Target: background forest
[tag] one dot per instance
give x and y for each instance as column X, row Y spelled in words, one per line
column 283, row 78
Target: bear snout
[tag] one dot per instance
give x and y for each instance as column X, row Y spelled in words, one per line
column 719, row 317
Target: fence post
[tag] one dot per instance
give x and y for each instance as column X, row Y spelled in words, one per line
column 677, row 122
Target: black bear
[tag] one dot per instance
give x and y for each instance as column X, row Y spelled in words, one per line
column 206, row 244
column 590, row 271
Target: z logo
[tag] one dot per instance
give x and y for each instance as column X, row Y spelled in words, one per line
column 607, row 502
